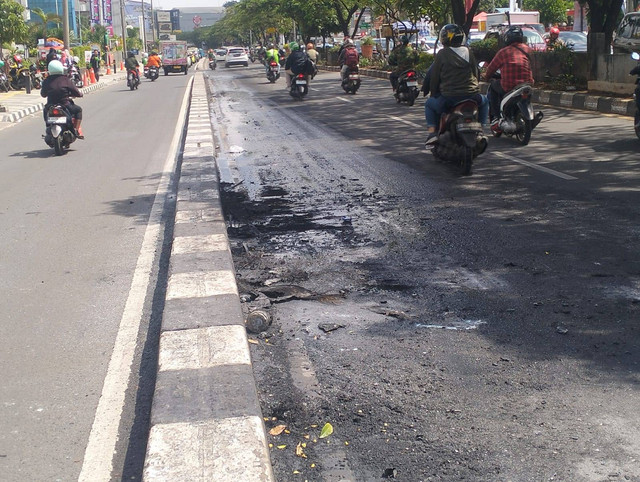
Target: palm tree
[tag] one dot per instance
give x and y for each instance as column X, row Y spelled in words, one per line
column 45, row 18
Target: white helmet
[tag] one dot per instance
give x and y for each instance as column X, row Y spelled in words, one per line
column 76, row 59
column 55, row 67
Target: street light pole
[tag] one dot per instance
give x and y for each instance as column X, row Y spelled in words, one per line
column 153, row 24
column 124, row 30
column 142, row 28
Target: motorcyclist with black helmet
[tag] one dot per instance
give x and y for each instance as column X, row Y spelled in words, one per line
column 403, row 58
column 131, row 64
column 514, row 64
column 454, row 78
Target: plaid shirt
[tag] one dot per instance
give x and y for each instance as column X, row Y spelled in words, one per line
column 514, row 66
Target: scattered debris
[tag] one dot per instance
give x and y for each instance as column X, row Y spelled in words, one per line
column 277, row 430
column 329, row 327
column 456, row 325
column 326, row 430
column 258, row 321
column 390, row 473
column 562, row 330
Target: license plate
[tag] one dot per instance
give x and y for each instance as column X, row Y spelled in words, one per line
column 469, row 126
column 274, row 69
column 57, row 120
column 354, row 77
column 412, row 84
column 301, row 82
column 177, row 67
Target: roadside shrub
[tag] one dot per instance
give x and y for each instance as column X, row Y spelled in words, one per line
column 485, row 50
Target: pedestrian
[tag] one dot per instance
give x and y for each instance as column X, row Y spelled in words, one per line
column 52, row 55
column 95, row 64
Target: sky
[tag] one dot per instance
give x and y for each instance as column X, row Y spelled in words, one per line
column 169, row 4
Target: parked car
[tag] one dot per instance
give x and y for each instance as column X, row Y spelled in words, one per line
column 577, row 41
column 627, row 38
column 236, row 56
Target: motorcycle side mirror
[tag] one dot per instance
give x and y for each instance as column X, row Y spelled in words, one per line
column 482, row 64
column 635, row 56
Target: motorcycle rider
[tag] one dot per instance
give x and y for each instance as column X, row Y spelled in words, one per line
column 404, row 58
column 59, row 89
column 51, row 55
column 271, row 55
column 514, row 64
column 154, row 60
column 296, row 62
column 131, row 64
column 554, row 41
column 454, row 78
column 348, row 58
column 313, row 56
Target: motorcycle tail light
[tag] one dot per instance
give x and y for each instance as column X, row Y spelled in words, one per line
column 411, row 74
column 56, row 112
column 301, row 76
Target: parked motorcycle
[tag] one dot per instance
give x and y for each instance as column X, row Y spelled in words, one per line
column 132, row 79
column 213, row 64
column 636, row 93
column 516, row 114
column 273, row 73
column 407, row 90
column 20, row 78
column 60, row 133
column 4, row 81
column 351, row 81
column 299, row 86
column 153, row 74
column 460, row 139
column 36, row 76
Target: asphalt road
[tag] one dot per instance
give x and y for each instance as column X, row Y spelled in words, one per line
column 449, row 328
column 82, row 248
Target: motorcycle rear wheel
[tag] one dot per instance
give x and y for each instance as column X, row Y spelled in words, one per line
column 57, row 145
column 523, row 134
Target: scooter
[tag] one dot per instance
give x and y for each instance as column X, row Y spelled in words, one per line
column 60, row 133
column 460, row 139
column 213, row 64
column 153, row 73
column 132, row 79
column 516, row 114
column 407, row 90
column 4, row 82
column 20, row 78
column 351, row 81
column 273, row 73
column 75, row 76
column 636, row 93
column 299, row 86
column 36, row 76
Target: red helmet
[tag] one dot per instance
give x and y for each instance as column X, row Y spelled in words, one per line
column 554, row 32
column 17, row 58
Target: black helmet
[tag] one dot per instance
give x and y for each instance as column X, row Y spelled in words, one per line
column 405, row 40
column 130, row 54
column 513, row 35
column 451, row 35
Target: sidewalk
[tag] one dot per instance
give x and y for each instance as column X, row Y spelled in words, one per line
column 571, row 100
column 18, row 104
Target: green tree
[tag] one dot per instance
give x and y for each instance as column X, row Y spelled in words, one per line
column 12, row 25
column 603, row 18
column 46, row 18
column 551, row 11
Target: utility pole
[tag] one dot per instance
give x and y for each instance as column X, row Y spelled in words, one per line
column 65, row 23
column 124, row 30
column 142, row 29
column 153, row 24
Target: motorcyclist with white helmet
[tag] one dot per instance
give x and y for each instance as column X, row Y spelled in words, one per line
column 59, row 89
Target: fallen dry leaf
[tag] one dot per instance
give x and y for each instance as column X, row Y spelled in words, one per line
column 277, row 430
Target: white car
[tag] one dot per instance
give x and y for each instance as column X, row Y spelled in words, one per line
column 236, row 56
column 221, row 54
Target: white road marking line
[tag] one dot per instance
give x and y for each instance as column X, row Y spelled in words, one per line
column 199, row 244
column 535, row 166
column 344, row 99
column 203, row 348
column 201, row 284
column 98, row 456
column 183, row 451
column 409, row 123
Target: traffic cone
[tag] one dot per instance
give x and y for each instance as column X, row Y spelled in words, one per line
column 92, row 76
column 85, row 79
column 108, row 70
column 121, row 65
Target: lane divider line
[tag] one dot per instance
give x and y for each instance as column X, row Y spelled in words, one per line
column 532, row 165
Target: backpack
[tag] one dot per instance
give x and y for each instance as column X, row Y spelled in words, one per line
column 351, row 57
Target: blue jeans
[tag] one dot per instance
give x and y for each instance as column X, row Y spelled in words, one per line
column 435, row 106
